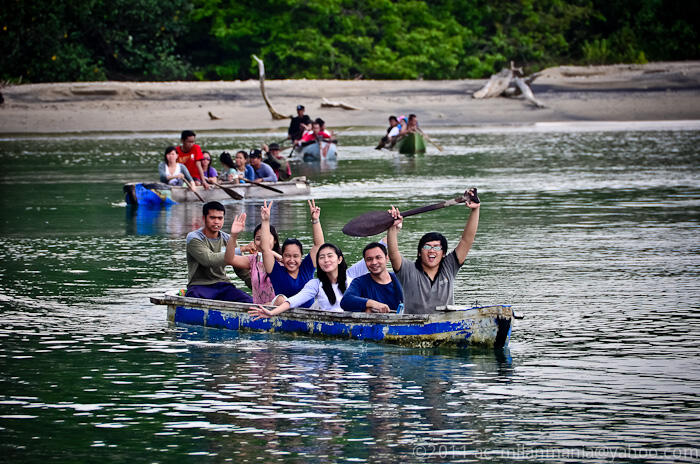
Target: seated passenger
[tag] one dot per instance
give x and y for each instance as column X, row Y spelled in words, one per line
column 206, row 259
column 391, row 133
column 277, row 161
column 376, row 292
column 263, row 172
column 289, row 277
column 327, row 289
column 171, row 172
column 208, row 170
column 229, row 173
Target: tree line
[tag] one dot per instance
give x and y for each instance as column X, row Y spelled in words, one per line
column 87, row 40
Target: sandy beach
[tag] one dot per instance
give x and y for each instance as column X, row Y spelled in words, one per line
column 651, row 92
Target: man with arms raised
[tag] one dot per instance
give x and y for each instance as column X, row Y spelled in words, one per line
column 205, row 259
column 376, row 292
column 190, row 154
column 429, row 281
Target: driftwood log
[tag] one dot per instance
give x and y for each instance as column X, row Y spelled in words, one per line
column 261, row 69
column 509, row 83
column 331, row 104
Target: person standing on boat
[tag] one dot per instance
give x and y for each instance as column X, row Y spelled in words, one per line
column 300, row 123
column 171, row 172
column 376, row 292
column 260, row 283
column 190, row 154
column 206, row 259
column 429, row 281
column 289, row 277
column 263, row 171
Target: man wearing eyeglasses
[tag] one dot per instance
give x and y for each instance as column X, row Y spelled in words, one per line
column 429, row 282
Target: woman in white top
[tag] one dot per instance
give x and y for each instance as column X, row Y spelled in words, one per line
column 333, row 278
column 171, row 172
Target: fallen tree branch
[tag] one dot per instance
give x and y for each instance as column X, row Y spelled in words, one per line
column 329, row 104
column 261, row 70
column 509, row 83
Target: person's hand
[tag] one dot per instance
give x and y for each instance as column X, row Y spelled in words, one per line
column 376, row 307
column 249, row 248
column 206, row 185
column 259, row 313
column 471, row 195
column 264, row 147
column 180, row 176
column 257, row 181
column 265, row 211
column 238, row 224
column 398, row 219
column 314, row 210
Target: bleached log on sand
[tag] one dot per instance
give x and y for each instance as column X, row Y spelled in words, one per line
column 496, row 85
column 527, row 92
column 329, row 104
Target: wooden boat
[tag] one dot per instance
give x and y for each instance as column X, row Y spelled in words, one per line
column 412, row 143
column 312, row 152
column 294, row 186
column 452, row 326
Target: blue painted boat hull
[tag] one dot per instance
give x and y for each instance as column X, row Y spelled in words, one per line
column 486, row 325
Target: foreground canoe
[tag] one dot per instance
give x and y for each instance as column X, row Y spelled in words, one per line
column 412, row 143
column 484, row 325
column 312, row 152
column 249, row 191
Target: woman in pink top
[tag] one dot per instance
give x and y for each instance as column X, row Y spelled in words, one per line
column 260, row 284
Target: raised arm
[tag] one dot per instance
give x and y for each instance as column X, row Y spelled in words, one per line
column 469, row 233
column 230, row 256
column 266, row 238
column 392, row 239
column 317, row 229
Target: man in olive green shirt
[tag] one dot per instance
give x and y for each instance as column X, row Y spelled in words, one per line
column 206, row 273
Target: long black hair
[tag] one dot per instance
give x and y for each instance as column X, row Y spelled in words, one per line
column 342, row 273
column 273, row 231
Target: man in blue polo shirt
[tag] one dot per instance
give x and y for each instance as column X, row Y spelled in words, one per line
column 429, row 281
column 376, row 292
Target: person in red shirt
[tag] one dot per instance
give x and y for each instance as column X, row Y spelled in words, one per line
column 190, row 154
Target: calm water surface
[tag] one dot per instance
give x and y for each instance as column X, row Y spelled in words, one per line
column 592, row 236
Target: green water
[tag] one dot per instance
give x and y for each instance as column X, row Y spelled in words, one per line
column 593, row 236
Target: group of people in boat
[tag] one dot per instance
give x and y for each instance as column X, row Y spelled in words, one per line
column 304, row 131
column 280, row 274
column 398, row 127
column 187, row 164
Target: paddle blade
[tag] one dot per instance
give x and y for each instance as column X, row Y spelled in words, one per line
column 368, row 224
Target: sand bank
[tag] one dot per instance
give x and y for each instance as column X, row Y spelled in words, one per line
column 656, row 91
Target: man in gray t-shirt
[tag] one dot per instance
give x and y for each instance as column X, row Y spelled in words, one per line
column 429, row 282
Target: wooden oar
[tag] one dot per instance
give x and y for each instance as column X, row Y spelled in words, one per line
column 375, row 222
column 232, row 193
column 430, row 140
column 266, row 187
column 193, row 190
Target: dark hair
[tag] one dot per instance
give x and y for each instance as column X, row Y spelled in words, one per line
column 431, row 237
column 374, row 245
column 245, row 155
column 342, row 273
column 226, row 160
column 393, row 118
column 320, row 121
column 412, row 116
column 292, row 241
column 168, row 150
column 273, row 231
column 212, row 205
column 187, row 133
column 274, row 146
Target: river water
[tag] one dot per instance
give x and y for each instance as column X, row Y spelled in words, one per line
column 591, row 233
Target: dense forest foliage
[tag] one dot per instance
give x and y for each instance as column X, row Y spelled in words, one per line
column 49, row 40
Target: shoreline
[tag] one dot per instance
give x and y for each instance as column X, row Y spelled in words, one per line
column 652, row 92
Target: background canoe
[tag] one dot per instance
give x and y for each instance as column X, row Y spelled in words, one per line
column 295, row 186
column 487, row 325
column 412, row 143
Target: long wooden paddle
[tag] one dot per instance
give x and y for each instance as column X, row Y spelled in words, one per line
column 230, row 192
column 375, row 222
column 193, row 190
column 430, row 140
column 266, row 186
